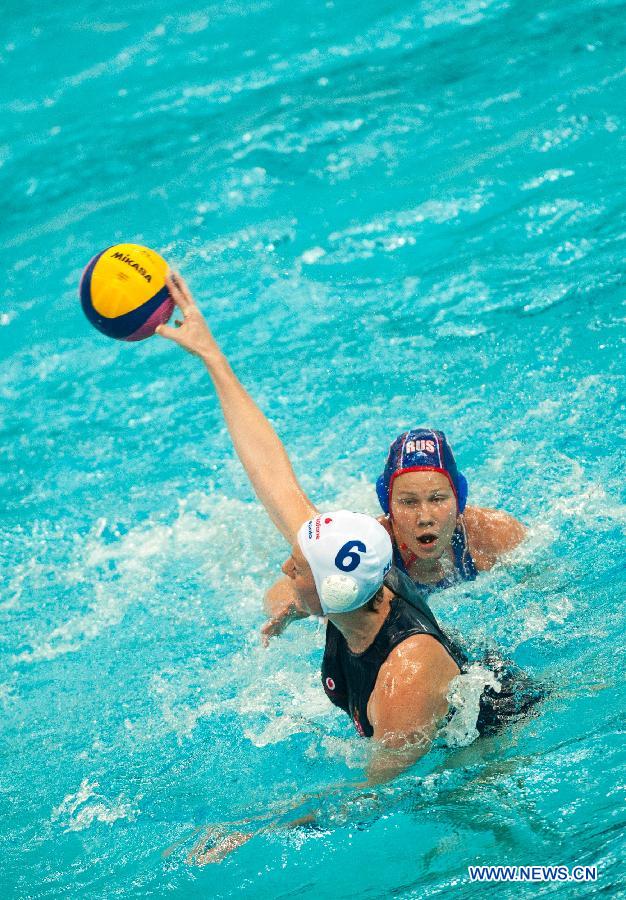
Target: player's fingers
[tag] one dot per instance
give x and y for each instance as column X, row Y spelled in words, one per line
column 184, row 288
column 176, row 293
column 187, row 301
column 270, row 629
column 167, row 332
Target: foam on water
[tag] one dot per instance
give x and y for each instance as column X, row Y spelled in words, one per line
column 76, row 812
column 464, row 695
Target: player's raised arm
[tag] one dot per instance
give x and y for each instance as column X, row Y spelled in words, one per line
column 257, row 445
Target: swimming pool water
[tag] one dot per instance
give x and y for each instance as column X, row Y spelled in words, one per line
column 392, row 214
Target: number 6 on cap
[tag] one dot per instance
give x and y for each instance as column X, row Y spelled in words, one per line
column 347, row 560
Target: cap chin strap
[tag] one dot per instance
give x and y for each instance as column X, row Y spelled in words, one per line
column 338, row 594
column 462, row 491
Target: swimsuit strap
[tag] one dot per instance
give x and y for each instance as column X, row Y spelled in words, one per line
column 462, row 557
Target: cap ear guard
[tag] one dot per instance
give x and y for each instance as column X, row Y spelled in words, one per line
column 382, row 492
column 338, row 593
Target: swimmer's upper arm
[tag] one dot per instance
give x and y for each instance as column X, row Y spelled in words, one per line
column 491, row 533
column 408, row 701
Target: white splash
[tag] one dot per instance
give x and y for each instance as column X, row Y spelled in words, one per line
column 138, row 559
column 391, row 231
column 8, row 695
column 106, row 611
column 464, row 695
column 75, row 812
column 548, row 176
column 313, row 255
column 179, row 716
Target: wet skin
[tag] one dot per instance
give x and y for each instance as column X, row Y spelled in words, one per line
column 424, row 514
column 298, row 570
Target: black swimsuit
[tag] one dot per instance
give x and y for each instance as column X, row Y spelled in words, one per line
column 349, row 678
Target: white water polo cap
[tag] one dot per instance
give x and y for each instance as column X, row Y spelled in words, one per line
column 349, row 555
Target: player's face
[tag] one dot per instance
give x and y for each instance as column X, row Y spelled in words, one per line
column 298, row 569
column 424, row 512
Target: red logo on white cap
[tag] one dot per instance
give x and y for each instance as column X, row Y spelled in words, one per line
column 327, row 521
column 330, row 684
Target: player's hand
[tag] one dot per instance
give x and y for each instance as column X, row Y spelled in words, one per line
column 191, row 332
column 220, row 849
column 277, row 623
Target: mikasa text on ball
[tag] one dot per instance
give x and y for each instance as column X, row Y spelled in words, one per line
column 123, row 292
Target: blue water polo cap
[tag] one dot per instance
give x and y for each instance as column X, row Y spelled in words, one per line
column 418, row 450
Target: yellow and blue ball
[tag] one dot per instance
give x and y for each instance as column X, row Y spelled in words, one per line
column 123, row 292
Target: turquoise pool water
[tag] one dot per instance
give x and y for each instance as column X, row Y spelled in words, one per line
column 392, row 214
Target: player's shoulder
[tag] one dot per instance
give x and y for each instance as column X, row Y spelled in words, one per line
column 492, row 532
column 412, row 660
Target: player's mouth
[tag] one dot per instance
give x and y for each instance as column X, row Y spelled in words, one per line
column 427, row 539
